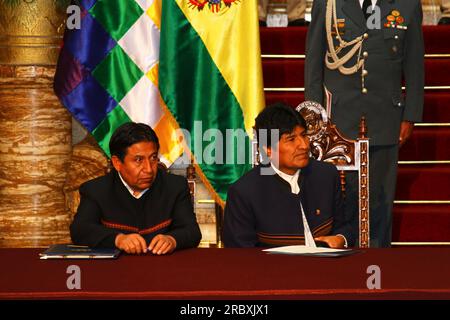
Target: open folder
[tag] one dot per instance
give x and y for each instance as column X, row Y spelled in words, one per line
column 311, row 251
column 69, row 251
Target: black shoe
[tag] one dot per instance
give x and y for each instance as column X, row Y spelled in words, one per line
column 298, row 23
column 445, row 20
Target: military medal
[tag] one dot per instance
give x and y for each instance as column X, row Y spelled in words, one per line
column 340, row 27
column 395, row 20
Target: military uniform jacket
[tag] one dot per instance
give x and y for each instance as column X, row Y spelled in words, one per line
column 395, row 54
column 107, row 208
column 261, row 210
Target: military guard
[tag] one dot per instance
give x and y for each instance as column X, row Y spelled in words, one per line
column 358, row 52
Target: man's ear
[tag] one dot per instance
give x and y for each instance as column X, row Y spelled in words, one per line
column 117, row 164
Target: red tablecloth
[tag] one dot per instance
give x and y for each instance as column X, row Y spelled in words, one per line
column 406, row 273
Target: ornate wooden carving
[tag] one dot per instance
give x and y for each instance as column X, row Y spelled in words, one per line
column 343, row 182
column 364, row 222
column 332, row 147
column 363, row 128
column 328, row 144
column 190, row 175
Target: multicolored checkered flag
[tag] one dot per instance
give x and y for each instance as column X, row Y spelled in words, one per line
column 107, row 71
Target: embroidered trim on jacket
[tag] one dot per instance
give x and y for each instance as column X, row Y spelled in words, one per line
column 283, row 239
column 146, row 231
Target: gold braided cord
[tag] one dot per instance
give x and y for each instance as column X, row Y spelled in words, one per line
column 332, row 53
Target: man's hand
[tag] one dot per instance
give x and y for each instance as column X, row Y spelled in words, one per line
column 131, row 243
column 406, row 128
column 336, row 242
column 162, row 244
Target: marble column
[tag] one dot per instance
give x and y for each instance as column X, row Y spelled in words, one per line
column 35, row 130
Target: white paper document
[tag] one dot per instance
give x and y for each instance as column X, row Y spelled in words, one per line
column 311, row 251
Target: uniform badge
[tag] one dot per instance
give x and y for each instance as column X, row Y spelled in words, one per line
column 340, row 27
column 395, row 20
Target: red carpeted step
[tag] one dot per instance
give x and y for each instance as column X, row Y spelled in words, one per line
column 292, row 40
column 427, row 143
column 283, row 73
column 423, row 222
column 283, row 40
column 436, row 39
column 423, row 182
column 437, row 106
column 291, row 98
column 288, row 73
column 436, row 110
column 437, row 72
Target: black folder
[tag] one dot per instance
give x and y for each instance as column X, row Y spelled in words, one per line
column 69, row 251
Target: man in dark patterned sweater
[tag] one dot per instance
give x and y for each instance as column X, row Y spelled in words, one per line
column 137, row 207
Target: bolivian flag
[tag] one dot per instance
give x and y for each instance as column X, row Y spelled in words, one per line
column 210, row 79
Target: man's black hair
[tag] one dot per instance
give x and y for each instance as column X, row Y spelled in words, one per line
column 277, row 116
column 128, row 134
